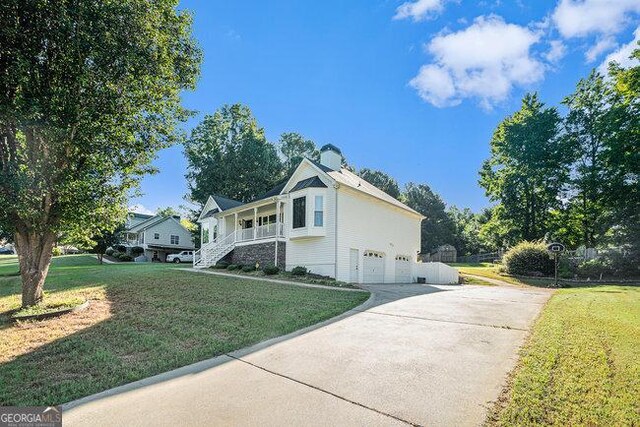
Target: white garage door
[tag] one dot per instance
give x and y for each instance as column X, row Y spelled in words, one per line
column 403, row 269
column 373, row 267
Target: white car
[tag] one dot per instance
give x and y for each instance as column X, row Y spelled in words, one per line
column 184, row 256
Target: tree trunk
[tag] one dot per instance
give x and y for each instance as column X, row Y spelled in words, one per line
column 34, row 255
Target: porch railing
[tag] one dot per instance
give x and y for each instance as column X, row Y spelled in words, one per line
column 261, row 232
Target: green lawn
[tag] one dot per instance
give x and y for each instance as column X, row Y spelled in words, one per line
column 581, row 365
column 287, row 275
column 468, row 280
column 490, row 270
column 143, row 319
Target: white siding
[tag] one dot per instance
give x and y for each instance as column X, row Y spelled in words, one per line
column 165, row 229
column 365, row 222
column 317, row 253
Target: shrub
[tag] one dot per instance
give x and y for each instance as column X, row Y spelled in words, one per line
column 221, row 265
column 136, row 251
column 120, row 248
column 109, row 251
column 270, row 270
column 299, row 271
column 56, row 251
column 248, row 268
column 232, row 267
column 125, row 258
column 116, row 254
column 595, row 268
column 624, row 265
column 567, row 267
column 528, row 258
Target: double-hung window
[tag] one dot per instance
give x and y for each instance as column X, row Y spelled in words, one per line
column 318, row 212
column 175, row 240
column 299, row 212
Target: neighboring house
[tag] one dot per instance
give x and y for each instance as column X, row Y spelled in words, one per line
column 324, row 217
column 158, row 235
column 135, row 218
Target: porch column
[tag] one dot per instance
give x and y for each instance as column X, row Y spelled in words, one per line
column 277, row 218
column 235, row 226
column 255, row 222
column 275, row 261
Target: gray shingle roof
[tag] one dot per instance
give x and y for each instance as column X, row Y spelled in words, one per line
column 273, row 192
column 314, row 181
column 210, row 213
column 350, row 179
column 322, row 167
column 225, row 203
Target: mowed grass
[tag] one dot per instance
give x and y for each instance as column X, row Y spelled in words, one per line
column 491, row 271
column 143, row 319
column 581, row 365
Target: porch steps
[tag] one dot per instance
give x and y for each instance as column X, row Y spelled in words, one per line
column 210, row 253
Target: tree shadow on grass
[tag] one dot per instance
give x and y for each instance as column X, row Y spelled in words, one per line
column 152, row 320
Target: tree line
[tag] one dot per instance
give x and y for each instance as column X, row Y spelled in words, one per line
column 229, row 155
column 573, row 177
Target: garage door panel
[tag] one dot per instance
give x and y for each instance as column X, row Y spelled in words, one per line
column 403, row 269
column 373, row 266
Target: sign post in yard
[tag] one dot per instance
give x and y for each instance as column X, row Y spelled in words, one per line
column 555, row 249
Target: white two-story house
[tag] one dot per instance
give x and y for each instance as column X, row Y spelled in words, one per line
column 325, row 218
column 158, row 235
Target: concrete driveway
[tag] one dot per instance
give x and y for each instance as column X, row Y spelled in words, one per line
column 414, row 354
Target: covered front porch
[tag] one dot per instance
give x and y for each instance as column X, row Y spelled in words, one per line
column 255, row 223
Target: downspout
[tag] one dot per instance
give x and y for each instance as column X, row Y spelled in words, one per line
column 335, row 235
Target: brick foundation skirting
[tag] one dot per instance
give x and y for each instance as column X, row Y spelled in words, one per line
column 263, row 253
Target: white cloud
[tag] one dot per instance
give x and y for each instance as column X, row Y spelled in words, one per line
column 483, row 61
column 556, row 52
column 575, row 18
column 621, row 55
column 138, row 208
column 419, row 10
column 435, row 85
column 602, row 45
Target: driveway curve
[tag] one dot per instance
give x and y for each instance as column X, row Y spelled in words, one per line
column 412, row 355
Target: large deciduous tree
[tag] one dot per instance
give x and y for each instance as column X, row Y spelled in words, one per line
column 294, row 147
column 89, row 91
column 466, row 225
column 623, row 155
column 591, row 127
column 229, row 155
column 384, row 182
column 527, row 170
column 437, row 228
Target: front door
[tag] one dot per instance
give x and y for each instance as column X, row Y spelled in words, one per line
column 354, row 257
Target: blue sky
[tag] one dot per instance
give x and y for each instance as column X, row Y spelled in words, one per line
column 412, row 88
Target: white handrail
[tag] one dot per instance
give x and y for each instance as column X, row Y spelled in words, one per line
column 209, row 247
